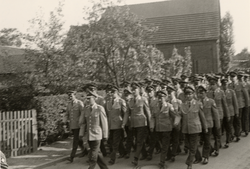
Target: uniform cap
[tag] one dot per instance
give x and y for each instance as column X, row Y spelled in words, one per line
column 189, row 89
column 161, row 93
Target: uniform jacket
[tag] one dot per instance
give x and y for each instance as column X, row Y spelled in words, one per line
column 248, row 90
column 95, row 123
column 211, row 113
column 139, row 112
column 232, row 102
column 193, row 118
column 73, row 113
column 116, row 110
column 219, row 97
column 161, row 118
column 241, row 93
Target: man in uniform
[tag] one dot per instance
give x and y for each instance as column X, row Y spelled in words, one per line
column 241, row 93
column 213, row 121
column 162, row 123
column 153, row 137
column 140, row 117
column 96, row 128
column 73, row 113
column 175, row 134
column 214, row 92
column 233, row 108
column 193, row 121
column 116, row 110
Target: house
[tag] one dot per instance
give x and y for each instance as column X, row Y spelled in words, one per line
column 183, row 23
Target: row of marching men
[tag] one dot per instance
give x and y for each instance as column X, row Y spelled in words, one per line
column 195, row 108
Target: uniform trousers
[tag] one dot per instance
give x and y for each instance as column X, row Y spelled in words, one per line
column 116, row 137
column 245, row 119
column 206, row 149
column 76, row 142
column 165, row 140
column 141, row 134
column 192, row 140
column 153, row 141
column 236, row 124
column 228, row 127
column 95, row 155
column 217, row 137
column 129, row 140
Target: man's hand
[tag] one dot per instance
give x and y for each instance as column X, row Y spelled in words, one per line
column 123, row 126
column 206, row 130
column 228, row 118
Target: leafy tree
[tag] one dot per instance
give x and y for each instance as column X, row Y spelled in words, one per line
column 177, row 65
column 114, row 45
column 10, row 37
column 226, row 41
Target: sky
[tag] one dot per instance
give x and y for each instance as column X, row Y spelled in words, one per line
column 17, row 13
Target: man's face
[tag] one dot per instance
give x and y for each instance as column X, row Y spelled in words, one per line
column 202, row 94
column 233, row 78
column 189, row 96
column 91, row 100
column 135, row 91
column 151, row 93
column 109, row 93
column 71, row 96
column 164, row 87
column 161, row 98
column 114, row 93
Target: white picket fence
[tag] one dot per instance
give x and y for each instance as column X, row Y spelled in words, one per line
column 18, row 132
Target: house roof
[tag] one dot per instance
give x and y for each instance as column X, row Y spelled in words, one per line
column 181, row 20
column 12, row 60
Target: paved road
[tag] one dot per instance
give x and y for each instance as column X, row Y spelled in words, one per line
column 237, row 156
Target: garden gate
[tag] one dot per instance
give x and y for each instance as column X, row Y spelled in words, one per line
column 18, row 132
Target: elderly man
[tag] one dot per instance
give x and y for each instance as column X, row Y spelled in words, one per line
column 73, row 113
column 96, row 128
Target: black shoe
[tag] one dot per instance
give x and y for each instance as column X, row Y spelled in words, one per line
column 70, row 159
column 135, row 162
column 189, row 167
column 185, row 150
column 237, row 139
column 149, row 157
column 143, row 158
column 111, row 162
column 127, row 156
column 215, row 153
column 226, row 145
column 158, row 151
column 205, row 161
column 121, row 155
column 168, row 158
column 196, row 161
column 172, row 159
column 246, row 133
column 161, row 165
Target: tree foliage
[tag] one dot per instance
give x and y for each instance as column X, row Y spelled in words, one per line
column 177, row 65
column 10, row 37
column 114, row 45
column 226, row 41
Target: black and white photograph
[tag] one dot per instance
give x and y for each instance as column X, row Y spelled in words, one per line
column 124, row 84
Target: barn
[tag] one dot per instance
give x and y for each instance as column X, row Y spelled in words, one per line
column 183, row 23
